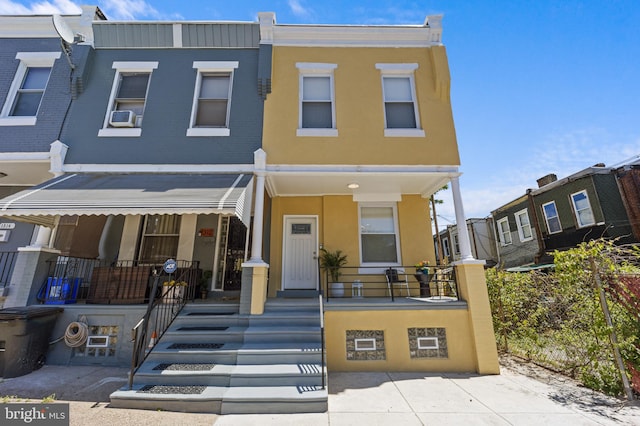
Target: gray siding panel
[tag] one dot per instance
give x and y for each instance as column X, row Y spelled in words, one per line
column 133, row 35
column 221, row 35
column 167, row 112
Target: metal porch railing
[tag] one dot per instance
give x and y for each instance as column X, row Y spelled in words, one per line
column 371, row 282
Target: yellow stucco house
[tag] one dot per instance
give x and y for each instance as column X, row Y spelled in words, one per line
column 358, row 135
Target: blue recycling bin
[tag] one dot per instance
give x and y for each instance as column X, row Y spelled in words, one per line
column 62, row 291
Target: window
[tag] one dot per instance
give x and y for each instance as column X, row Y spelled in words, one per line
column 445, row 247
column 551, row 216
column 524, row 226
column 456, row 244
column 378, row 234
column 212, row 99
column 317, row 116
column 399, row 97
column 582, row 208
column 128, row 99
column 27, row 89
column 504, row 232
column 160, row 237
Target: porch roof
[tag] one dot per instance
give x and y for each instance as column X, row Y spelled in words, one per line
column 131, row 194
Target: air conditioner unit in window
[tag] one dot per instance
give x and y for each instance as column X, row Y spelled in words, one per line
column 122, row 118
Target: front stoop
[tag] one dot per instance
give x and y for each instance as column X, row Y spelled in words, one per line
column 214, row 360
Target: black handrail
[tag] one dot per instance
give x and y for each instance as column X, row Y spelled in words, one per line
column 322, row 357
column 162, row 310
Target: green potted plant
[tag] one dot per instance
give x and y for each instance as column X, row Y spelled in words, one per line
column 205, row 281
column 332, row 261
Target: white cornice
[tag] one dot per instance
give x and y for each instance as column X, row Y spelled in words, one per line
column 41, row 26
column 24, row 156
column 355, row 36
column 324, row 169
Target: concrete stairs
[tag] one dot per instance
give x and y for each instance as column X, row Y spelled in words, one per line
column 214, row 360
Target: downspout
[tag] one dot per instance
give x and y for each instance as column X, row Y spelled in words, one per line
column 534, row 214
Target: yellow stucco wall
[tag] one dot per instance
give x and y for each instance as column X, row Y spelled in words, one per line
column 359, row 109
column 394, row 324
column 338, row 230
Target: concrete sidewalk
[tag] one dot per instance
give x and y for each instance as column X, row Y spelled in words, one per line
column 511, row 398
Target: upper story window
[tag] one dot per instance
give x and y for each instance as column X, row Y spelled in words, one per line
column 504, row 232
column 27, row 89
column 128, row 99
column 212, row 98
column 401, row 115
column 551, row 217
column 582, row 209
column 379, row 234
column 524, row 226
column 317, row 114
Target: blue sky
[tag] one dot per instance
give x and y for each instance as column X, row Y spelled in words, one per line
column 538, row 86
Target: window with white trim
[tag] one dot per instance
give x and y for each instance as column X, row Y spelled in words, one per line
column 551, row 217
column 317, row 114
column 524, row 225
column 456, row 244
column 27, row 89
column 212, row 98
column 160, row 237
column 128, row 99
column 379, row 234
column 401, row 115
column 582, row 209
column 445, row 247
column 504, row 231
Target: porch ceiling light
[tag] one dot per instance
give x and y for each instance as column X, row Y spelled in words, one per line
column 353, row 185
column 3, row 174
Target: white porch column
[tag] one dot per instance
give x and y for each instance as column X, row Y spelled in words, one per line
column 43, row 237
column 260, row 160
column 463, row 232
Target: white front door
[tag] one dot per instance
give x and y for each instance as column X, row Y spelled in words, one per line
column 300, row 263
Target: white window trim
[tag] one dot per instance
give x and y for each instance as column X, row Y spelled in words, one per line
column 575, row 209
column 204, row 67
column 519, row 225
column 396, row 229
column 546, row 218
column 501, row 237
column 27, row 60
column 407, row 70
column 121, row 67
column 315, row 69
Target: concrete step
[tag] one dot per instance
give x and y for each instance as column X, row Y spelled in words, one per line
column 283, row 352
column 286, row 318
column 275, row 400
column 275, row 334
column 211, row 374
column 284, row 304
column 223, row 400
column 195, row 352
column 184, row 333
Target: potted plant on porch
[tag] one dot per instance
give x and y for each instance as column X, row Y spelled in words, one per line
column 332, row 261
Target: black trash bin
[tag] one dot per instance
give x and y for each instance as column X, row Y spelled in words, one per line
column 24, row 338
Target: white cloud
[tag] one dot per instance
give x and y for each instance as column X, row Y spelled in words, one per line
column 298, row 9
column 129, row 9
column 8, row 7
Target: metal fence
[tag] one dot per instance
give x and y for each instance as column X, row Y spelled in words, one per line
column 570, row 323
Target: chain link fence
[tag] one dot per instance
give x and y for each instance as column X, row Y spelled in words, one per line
column 559, row 319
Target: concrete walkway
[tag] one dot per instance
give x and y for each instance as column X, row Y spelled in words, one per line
column 362, row 399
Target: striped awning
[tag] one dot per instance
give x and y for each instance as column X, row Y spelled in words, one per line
column 131, row 194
